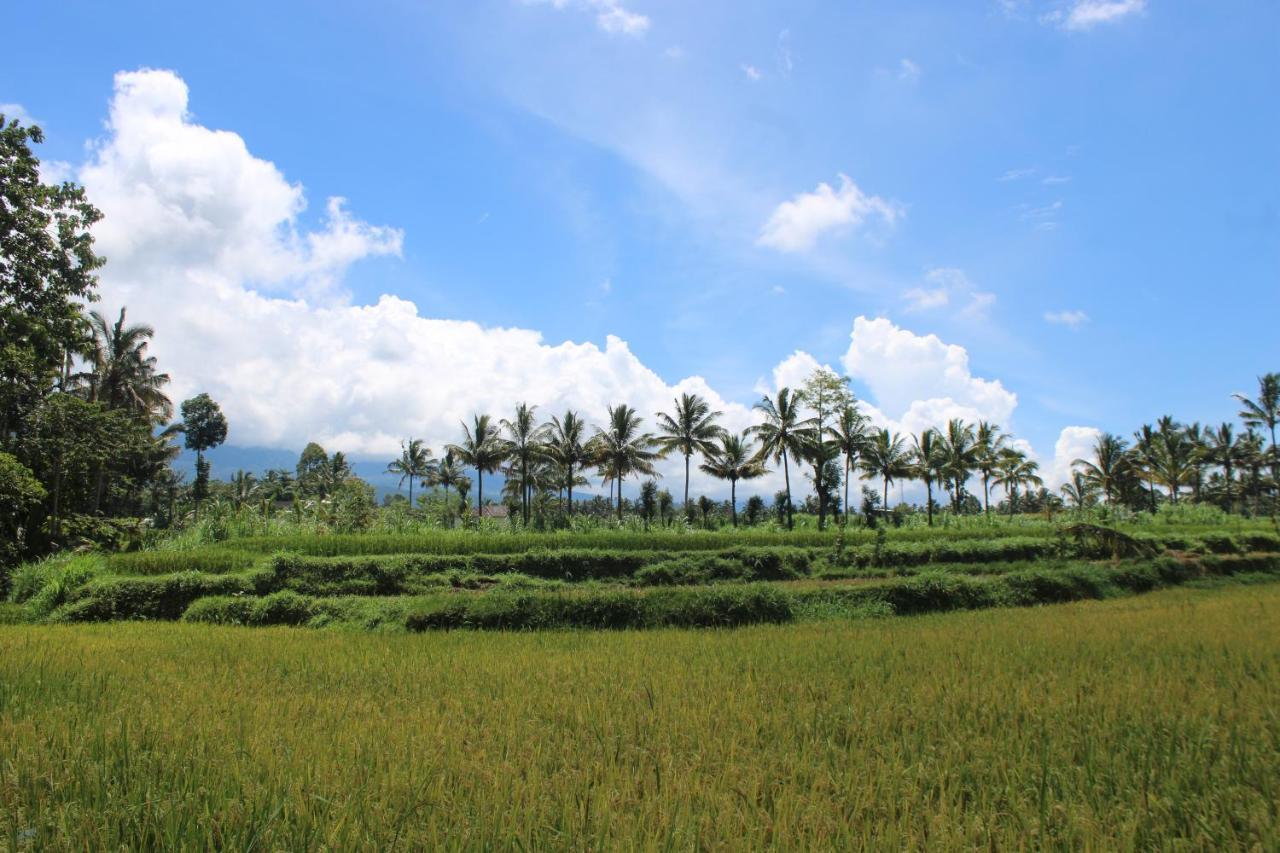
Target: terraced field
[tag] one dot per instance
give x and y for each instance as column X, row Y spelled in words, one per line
column 460, row 579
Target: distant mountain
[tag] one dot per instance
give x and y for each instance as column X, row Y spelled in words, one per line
column 225, row 461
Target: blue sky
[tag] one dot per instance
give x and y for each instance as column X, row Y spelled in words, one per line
column 1084, row 195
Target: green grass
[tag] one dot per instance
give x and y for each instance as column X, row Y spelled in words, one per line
column 1145, row 722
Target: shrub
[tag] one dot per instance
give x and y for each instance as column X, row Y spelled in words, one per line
column 159, row 597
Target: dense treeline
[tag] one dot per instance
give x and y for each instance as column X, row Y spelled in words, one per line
column 88, row 437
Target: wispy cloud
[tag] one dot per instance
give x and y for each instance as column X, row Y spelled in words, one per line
column 1043, row 216
column 611, row 16
column 1072, row 319
column 796, row 225
column 1081, row 15
column 753, row 74
column 949, row 287
column 1051, row 180
column 784, row 53
column 1017, row 174
column 908, row 70
column 12, row 111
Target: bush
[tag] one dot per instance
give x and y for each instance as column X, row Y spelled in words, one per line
column 280, row 608
column 160, row 597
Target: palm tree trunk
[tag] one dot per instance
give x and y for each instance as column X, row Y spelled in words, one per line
column 479, row 495
column 410, row 494
column 846, row 490
column 619, row 497
column 786, row 476
column 817, row 485
column 885, row 502
column 928, row 489
column 686, row 482
column 733, row 499
column 571, row 491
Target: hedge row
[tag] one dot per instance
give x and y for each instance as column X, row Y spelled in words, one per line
column 163, row 597
column 721, row 606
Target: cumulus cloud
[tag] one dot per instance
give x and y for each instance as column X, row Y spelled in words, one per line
column 945, row 287
column 1086, row 14
column 796, row 225
column 917, row 381
column 611, row 16
column 16, row 111
column 1071, row 319
column 1074, row 442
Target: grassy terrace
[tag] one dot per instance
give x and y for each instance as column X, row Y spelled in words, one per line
column 1139, row 722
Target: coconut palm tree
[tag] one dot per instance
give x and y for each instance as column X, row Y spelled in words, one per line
column 414, row 464
column 1223, row 449
column 448, row 475
column 783, row 434
column 959, row 457
column 1264, row 411
column 1144, row 458
column 928, row 460
column 567, row 445
column 851, row 437
column 886, row 457
column 121, row 374
column 988, row 442
column 690, row 428
column 335, row 472
column 733, row 460
column 523, row 446
column 1173, row 457
column 483, row 449
column 1079, row 490
column 1109, row 466
column 622, row 449
column 1015, row 472
column 243, row 487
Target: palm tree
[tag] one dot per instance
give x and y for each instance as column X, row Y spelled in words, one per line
column 414, row 464
column 121, row 374
column 523, row 445
column 448, row 475
column 1144, row 454
column 243, row 487
column 334, row 473
column 1222, row 449
column 1016, row 471
column 886, row 457
column 928, row 459
column 1079, row 490
column 482, row 449
column 783, row 433
column 622, row 449
column 851, row 439
column 959, row 456
column 988, row 443
column 1265, row 412
column 648, row 501
column 733, row 460
column 1109, row 466
column 567, row 444
column 1173, row 457
column 691, row 428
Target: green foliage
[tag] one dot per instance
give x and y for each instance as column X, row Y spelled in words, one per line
column 20, row 492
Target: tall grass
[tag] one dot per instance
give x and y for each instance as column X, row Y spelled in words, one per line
column 1138, row 723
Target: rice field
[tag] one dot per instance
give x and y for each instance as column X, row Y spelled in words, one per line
column 1150, row 721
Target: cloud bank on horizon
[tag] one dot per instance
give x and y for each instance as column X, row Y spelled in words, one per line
column 205, row 241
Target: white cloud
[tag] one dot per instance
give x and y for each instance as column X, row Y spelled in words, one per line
column 785, row 63
column 796, row 225
column 949, row 286
column 1051, row 180
column 1074, row 442
column 674, row 52
column 1083, row 15
column 1074, row 319
column 908, row 70
column 611, row 16
column 917, row 381
column 753, row 73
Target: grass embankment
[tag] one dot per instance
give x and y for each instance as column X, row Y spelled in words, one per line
column 1145, row 722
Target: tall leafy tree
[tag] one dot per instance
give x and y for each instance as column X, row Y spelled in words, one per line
column 623, row 450
column 312, row 463
column 414, row 464
column 483, row 449
column 648, row 501
column 204, row 427
column 1222, row 448
column 851, row 436
column 1173, row 457
column 1079, row 490
column 733, row 460
column 886, row 457
column 690, row 428
column 782, row 435
column 960, row 456
column 1143, row 456
column 826, row 394
column 448, row 475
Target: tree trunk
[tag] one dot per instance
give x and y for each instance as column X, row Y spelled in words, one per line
column 733, row 499
column 885, row 502
column 822, row 495
column 986, row 495
column 686, row 482
column 619, row 499
column 786, row 477
column 479, row 496
column 928, row 489
column 846, row 489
